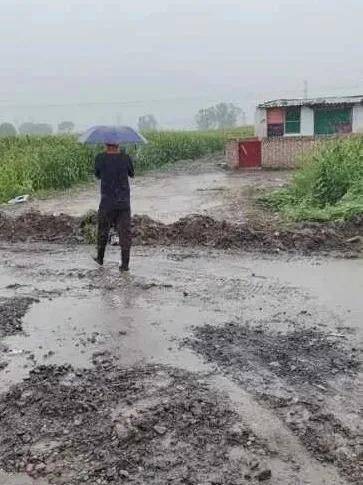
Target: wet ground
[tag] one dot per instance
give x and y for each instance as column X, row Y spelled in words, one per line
column 200, row 187
column 201, row 366
column 269, row 348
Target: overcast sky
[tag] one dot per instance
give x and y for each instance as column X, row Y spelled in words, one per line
column 171, row 57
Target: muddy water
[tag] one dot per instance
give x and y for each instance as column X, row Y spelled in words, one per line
column 142, row 318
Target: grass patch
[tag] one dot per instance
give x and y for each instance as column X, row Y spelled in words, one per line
column 31, row 164
column 329, row 185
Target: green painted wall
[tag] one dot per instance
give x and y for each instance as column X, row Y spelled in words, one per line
column 328, row 121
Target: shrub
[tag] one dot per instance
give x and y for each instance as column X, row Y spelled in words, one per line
column 328, row 186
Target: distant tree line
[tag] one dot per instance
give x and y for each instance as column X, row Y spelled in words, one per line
column 30, row 128
column 222, row 115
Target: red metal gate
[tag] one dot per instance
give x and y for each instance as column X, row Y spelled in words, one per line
column 250, row 153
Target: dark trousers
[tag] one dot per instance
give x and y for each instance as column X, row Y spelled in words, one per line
column 120, row 219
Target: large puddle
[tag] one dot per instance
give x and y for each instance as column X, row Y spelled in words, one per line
column 141, row 317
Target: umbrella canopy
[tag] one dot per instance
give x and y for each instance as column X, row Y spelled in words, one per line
column 112, row 135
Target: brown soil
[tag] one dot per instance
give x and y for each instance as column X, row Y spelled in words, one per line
column 155, row 425
column 193, row 230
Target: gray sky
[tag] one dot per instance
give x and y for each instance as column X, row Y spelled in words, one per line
column 112, row 60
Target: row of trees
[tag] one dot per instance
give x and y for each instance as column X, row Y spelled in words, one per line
column 220, row 116
column 28, row 128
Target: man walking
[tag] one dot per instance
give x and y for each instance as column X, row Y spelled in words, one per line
column 114, row 167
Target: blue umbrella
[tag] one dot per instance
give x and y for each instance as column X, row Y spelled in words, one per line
column 112, row 135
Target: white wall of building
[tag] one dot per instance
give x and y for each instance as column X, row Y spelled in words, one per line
column 358, row 118
column 261, row 123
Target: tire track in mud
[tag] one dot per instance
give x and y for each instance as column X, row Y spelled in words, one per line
column 296, row 374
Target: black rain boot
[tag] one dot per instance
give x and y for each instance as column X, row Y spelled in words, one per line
column 100, row 255
column 98, row 260
column 125, row 260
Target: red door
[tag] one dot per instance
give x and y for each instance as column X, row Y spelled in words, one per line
column 250, row 153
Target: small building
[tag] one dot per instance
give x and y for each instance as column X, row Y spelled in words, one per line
column 310, row 117
column 286, row 129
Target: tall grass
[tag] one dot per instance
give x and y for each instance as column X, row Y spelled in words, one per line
column 29, row 164
column 328, row 186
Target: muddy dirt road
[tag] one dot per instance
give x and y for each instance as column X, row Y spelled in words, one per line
column 201, row 366
column 200, row 187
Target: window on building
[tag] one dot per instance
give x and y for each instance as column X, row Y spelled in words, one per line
column 275, row 129
column 293, row 120
column 275, row 122
column 330, row 121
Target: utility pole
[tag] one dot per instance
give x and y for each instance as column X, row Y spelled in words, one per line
column 306, row 90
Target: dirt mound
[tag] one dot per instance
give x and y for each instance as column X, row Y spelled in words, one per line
column 205, row 231
column 153, row 425
column 34, row 226
column 193, row 230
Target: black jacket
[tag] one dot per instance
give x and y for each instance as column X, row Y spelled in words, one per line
column 114, row 171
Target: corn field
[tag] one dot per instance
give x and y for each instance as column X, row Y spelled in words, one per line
column 29, row 164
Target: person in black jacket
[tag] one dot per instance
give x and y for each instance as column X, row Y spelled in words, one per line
column 114, row 167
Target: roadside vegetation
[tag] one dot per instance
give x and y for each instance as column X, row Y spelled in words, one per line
column 30, row 164
column 329, row 185
column 167, row 147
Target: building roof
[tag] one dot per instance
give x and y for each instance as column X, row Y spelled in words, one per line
column 333, row 100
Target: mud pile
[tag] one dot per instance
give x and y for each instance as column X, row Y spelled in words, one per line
column 34, row 226
column 303, row 355
column 193, row 230
column 12, row 311
column 153, row 425
column 201, row 230
column 293, row 372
